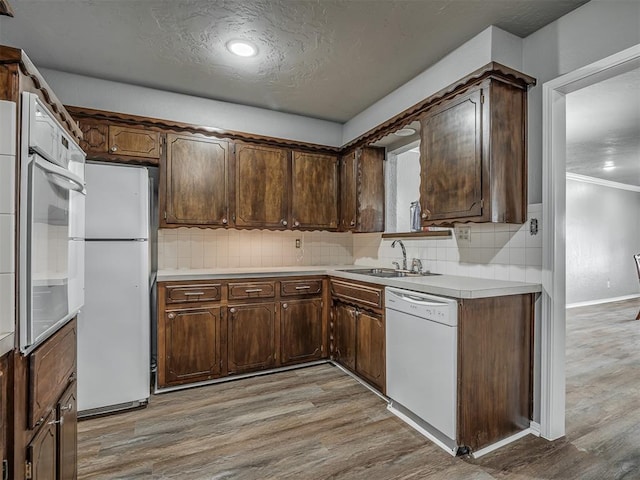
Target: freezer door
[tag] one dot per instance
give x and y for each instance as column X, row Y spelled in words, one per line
column 117, row 205
column 114, row 326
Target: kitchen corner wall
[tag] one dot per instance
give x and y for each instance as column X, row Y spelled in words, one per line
column 498, row 251
column 220, row 248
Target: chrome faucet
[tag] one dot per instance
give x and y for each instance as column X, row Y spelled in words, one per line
column 404, row 252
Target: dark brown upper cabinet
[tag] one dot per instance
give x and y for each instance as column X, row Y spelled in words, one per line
column 314, row 191
column 125, row 144
column 194, row 184
column 261, row 186
column 473, row 156
column 362, row 190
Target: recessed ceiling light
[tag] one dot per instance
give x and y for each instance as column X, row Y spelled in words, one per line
column 404, row 132
column 242, row 48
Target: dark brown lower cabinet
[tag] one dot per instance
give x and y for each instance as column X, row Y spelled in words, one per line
column 344, row 335
column 251, row 337
column 302, row 339
column 42, row 452
column 370, row 347
column 68, row 435
column 191, row 349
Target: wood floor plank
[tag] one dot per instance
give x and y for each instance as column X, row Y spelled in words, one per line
column 319, row 423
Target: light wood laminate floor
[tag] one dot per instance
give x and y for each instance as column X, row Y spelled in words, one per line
column 318, row 423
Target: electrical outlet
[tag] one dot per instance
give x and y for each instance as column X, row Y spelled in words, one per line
column 298, row 243
column 463, row 233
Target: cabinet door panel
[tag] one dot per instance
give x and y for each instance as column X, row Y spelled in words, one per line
column 348, row 191
column 192, row 344
column 251, row 337
column 301, row 331
column 196, row 188
column 314, row 200
column 261, row 186
column 344, row 335
column 135, row 142
column 370, row 348
column 451, row 159
column 67, row 435
column 42, row 453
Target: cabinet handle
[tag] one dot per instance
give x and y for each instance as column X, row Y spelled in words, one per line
column 284, row 222
column 232, row 310
column 68, row 407
column 253, row 290
column 305, row 287
column 114, row 148
column 187, row 294
column 285, row 305
column 352, row 223
column 171, row 315
column 56, row 422
column 225, row 221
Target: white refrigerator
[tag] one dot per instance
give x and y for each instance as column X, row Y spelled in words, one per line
column 114, row 325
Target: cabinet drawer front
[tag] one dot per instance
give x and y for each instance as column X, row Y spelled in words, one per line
column 357, row 292
column 240, row 291
column 193, row 293
column 51, row 368
column 300, row 287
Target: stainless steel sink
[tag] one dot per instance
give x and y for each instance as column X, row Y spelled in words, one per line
column 388, row 272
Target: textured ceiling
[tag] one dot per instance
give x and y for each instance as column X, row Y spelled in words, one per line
column 603, row 125
column 326, row 59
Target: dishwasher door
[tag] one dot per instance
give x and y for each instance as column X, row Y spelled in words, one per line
column 422, row 361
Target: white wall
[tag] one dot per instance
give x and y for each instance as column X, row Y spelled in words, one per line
column 91, row 92
column 590, row 33
column 603, row 234
column 492, row 44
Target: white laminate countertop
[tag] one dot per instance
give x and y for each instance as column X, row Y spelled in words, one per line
column 446, row 285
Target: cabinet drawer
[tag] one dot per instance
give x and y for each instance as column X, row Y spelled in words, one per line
column 300, row 287
column 51, row 367
column 358, row 293
column 241, row 291
column 210, row 292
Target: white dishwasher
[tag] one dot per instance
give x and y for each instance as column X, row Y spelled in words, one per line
column 421, row 358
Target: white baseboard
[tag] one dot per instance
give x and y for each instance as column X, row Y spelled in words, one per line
column 535, row 428
column 602, row 300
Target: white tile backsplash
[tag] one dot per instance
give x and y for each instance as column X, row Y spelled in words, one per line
column 7, row 239
column 7, row 128
column 500, row 251
column 219, row 248
column 7, row 184
column 7, row 302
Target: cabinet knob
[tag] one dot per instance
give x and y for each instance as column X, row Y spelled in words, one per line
column 225, row 221
column 171, row 315
column 285, row 305
column 284, row 222
column 114, row 149
column 296, row 223
column 352, row 223
column 425, row 215
column 232, row 310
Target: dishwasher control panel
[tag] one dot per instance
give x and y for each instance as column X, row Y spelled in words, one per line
column 429, row 307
